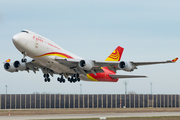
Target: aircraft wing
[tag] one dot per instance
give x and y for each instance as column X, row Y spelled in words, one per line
column 19, row 66
column 74, row 64
column 126, row 76
column 115, row 64
column 35, row 66
column 151, row 63
column 112, row 65
column 32, row 65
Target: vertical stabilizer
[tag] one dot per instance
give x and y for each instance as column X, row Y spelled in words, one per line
column 115, row 55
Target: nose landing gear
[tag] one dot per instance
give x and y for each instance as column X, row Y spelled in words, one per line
column 24, row 59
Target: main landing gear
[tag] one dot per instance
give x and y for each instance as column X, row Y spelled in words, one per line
column 74, row 78
column 46, row 78
column 61, row 79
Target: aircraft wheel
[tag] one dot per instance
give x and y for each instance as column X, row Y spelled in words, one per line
column 69, row 79
column 58, row 79
column 24, row 60
column 78, row 79
column 46, row 75
column 45, row 80
column 48, row 79
column 74, row 80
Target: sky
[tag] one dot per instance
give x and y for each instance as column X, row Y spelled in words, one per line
column 147, row 30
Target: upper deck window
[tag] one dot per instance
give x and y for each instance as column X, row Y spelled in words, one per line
column 25, row 31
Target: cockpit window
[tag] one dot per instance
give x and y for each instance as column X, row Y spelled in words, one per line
column 25, row 31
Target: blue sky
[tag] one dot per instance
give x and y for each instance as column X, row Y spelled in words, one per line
column 148, row 30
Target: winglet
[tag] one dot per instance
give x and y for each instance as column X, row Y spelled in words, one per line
column 174, row 60
column 8, row 60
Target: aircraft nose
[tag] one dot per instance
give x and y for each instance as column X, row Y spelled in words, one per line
column 15, row 38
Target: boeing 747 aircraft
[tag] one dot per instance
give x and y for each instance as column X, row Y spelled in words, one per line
column 53, row 59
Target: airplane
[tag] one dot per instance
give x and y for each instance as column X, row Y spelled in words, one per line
column 53, row 59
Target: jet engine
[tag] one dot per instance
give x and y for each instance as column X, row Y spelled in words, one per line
column 86, row 65
column 9, row 67
column 126, row 66
column 19, row 65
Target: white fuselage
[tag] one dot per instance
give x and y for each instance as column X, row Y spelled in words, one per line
column 36, row 47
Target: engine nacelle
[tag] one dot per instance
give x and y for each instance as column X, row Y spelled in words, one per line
column 86, row 65
column 19, row 65
column 9, row 67
column 126, row 66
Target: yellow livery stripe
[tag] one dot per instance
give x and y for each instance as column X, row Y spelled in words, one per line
column 91, row 78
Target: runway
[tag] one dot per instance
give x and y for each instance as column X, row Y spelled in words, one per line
column 68, row 116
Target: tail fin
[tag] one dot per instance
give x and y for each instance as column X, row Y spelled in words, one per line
column 115, row 55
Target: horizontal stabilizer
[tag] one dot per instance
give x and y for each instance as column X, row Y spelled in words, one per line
column 126, row 76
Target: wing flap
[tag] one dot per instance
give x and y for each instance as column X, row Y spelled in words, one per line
column 126, row 76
